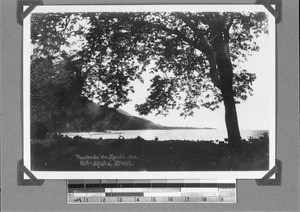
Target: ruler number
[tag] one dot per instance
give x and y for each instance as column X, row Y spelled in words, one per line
column 84, row 199
column 119, row 199
column 103, row 199
column 221, row 199
column 204, row 199
column 187, row 199
column 170, row 199
column 136, row 199
column 153, row 199
column 77, row 200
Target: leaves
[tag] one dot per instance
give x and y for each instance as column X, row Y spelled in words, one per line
column 242, row 86
column 97, row 55
column 161, row 97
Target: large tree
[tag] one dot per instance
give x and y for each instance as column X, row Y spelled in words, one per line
column 194, row 57
column 57, row 77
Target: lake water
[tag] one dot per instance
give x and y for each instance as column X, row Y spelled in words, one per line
column 174, row 134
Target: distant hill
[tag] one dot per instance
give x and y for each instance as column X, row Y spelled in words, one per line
column 92, row 117
column 99, row 118
column 123, row 112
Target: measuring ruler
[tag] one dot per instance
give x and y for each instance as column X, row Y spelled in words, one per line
column 151, row 191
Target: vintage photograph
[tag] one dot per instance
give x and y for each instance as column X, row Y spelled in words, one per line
column 142, row 89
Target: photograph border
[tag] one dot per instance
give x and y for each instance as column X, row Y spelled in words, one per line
column 142, row 174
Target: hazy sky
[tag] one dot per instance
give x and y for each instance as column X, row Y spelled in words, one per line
column 252, row 113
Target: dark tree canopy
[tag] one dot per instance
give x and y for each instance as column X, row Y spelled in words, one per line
column 194, row 57
column 180, row 44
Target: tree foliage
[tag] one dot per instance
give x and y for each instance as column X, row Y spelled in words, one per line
column 194, row 58
column 180, row 44
column 57, row 76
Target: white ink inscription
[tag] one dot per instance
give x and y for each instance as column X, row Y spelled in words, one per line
column 110, row 160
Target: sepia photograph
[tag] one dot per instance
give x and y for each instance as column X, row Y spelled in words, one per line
column 149, row 91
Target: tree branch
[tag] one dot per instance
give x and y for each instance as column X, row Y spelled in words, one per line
column 205, row 48
column 201, row 44
column 213, row 72
column 226, row 28
column 169, row 31
column 204, row 45
column 230, row 22
column 224, row 17
column 66, row 23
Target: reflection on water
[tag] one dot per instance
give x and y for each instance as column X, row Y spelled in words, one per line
column 162, row 135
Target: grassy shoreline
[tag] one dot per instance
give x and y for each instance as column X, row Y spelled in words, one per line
column 80, row 154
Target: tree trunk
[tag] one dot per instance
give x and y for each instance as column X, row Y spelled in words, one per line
column 225, row 69
column 231, row 120
column 226, row 87
column 221, row 71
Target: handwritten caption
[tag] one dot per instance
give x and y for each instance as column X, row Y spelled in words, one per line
column 110, row 160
